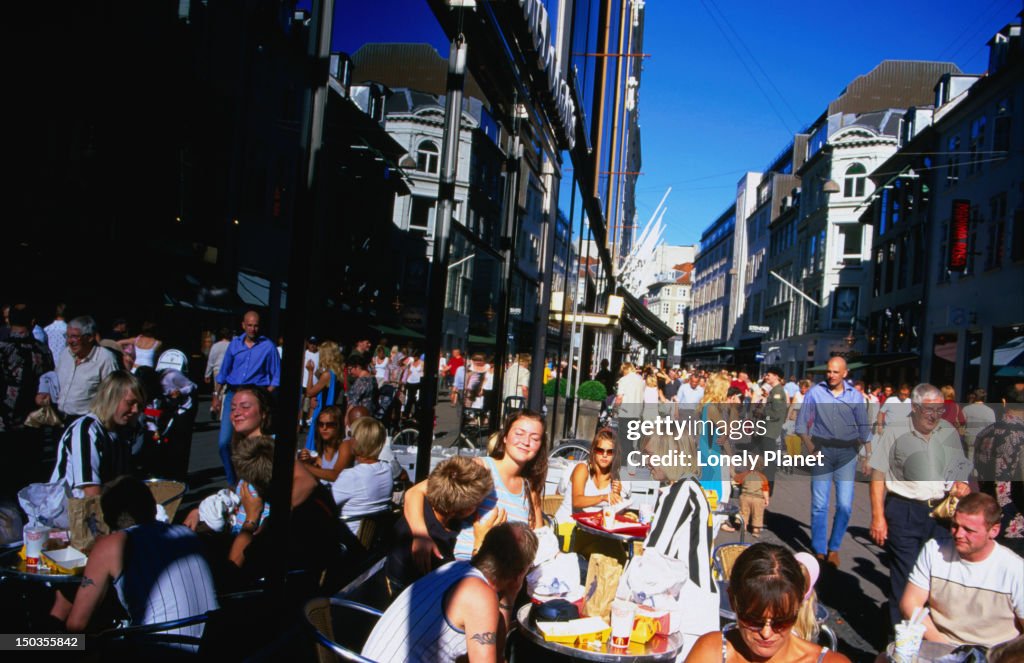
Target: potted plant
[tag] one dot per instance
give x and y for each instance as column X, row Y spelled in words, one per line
column 591, row 395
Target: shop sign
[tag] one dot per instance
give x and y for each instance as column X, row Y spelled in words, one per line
column 959, row 233
column 536, row 17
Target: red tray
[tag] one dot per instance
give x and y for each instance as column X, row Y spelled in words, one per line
column 595, row 520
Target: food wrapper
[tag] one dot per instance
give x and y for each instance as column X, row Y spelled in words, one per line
column 644, row 628
column 575, row 630
column 660, row 620
column 66, row 560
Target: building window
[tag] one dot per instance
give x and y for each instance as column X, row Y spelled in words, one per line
column 853, row 185
column 977, row 146
column 664, row 308
column 679, row 327
column 953, row 169
column 851, row 241
column 428, row 157
column 422, row 214
column 1003, row 123
column 679, row 308
column 996, row 232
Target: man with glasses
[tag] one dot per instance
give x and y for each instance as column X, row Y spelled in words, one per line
column 833, row 420
column 911, row 471
column 81, row 367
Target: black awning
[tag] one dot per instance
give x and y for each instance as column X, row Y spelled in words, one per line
column 634, row 308
column 638, row 333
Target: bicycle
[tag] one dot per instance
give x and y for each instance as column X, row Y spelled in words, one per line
column 474, row 428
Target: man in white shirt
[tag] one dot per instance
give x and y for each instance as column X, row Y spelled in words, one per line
column 691, row 392
column 81, row 367
column 973, row 586
column 896, row 410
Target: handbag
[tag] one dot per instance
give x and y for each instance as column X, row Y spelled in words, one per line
column 943, row 511
column 44, row 417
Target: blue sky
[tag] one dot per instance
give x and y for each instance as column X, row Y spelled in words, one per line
column 704, row 119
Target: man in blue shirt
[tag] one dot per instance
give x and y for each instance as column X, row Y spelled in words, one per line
column 251, row 359
column 834, row 421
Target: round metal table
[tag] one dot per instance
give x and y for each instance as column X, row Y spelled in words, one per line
column 12, row 566
column 658, row 648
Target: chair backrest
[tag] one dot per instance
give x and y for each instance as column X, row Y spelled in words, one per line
column 320, row 615
column 168, row 494
column 151, row 639
column 373, row 526
column 551, row 504
column 725, row 555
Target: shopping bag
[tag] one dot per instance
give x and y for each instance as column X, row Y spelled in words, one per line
column 602, row 581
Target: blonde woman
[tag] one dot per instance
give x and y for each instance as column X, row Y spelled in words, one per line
column 324, row 387
column 715, row 408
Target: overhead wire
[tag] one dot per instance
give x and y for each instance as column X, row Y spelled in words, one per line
column 743, row 62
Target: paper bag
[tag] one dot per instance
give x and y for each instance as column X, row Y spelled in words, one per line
column 602, row 580
column 85, row 521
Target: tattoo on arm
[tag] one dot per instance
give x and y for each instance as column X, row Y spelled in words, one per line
column 487, row 638
column 87, row 581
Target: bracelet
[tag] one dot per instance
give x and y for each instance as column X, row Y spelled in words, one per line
column 250, row 522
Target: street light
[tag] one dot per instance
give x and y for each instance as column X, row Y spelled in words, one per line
column 829, row 186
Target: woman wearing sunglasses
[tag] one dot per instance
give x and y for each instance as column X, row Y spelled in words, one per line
column 766, row 588
column 332, row 453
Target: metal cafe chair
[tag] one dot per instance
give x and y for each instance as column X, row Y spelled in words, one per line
column 320, row 614
column 154, row 639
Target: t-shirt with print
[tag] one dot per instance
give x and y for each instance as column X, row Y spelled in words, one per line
column 972, row 602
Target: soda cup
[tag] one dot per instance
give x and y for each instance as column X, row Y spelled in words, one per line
column 34, row 536
column 608, row 517
column 646, row 513
column 623, row 613
column 908, row 642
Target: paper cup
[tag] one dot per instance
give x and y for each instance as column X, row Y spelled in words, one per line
column 908, row 643
column 34, row 536
column 608, row 517
column 623, row 613
column 646, row 512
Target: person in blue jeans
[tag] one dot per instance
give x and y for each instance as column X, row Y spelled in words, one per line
column 250, row 360
column 833, row 421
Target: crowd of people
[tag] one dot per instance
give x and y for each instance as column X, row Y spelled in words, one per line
column 464, row 538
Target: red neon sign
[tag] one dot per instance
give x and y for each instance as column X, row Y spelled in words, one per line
column 959, row 231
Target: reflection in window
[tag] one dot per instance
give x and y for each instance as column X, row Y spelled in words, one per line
column 853, row 186
column 428, row 157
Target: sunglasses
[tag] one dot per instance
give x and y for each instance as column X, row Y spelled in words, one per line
column 604, row 452
column 327, row 424
column 776, row 625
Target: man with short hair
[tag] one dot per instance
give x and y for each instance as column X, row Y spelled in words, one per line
column 158, row 569
column 974, row 587
column 517, row 378
column 250, row 360
column 455, row 488
column 691, row 393
column 460, row 611
column 776, row 408
column 81, row 366
column 910, row 471
column 895, row 411
column 833, row 420
column 792, row 388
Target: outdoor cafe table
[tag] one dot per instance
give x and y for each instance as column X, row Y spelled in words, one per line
column 588, row 522
column 658, row 648
column 13, row 567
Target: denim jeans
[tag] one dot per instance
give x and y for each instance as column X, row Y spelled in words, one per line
column 839, row 466
column 224, row 438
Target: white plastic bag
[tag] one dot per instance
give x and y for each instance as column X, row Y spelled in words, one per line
column 547, row 545
column 558, row 576
column 219, row 509
column 45, row 504
column 653, row 580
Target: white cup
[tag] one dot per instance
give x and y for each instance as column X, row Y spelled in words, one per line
column 623, row 613
column 908, row 642
column 34, row 536
column 646, row 513
column 608, row 517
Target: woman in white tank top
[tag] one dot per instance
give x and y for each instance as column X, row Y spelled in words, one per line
column 595, row 483
column 146, row 345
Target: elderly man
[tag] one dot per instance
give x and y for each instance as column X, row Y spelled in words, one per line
column 463, row 609
column 81, row 367
column 973, row 586
column 251, row 359
column 911, row 469
column 833, row 420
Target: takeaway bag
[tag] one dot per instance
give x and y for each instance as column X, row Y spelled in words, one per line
column 45, row 504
